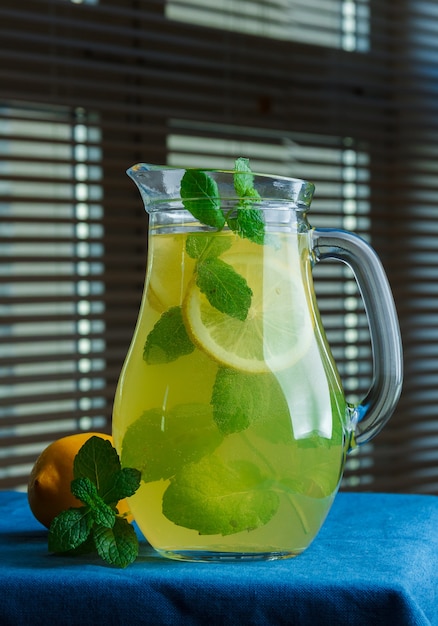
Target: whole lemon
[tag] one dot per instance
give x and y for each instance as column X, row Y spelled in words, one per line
column 48, row 490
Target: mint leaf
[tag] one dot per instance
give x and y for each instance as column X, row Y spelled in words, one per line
column 98, row 461
column 249, row 223
column 240, row 400
column 200, row 245
column 70, row 529
column 160, row 443
column 84, row 490
column 87, row 547
column 126, row 483
column 100, row 483
column 200, row 196
column 168, row 340
column 118, row 545
column 217, row 498
column 244, row 179
column 225, row 289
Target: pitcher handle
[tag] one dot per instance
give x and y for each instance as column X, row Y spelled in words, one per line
column 369, row 417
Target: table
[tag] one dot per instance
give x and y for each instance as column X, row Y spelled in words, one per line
column 373, row 563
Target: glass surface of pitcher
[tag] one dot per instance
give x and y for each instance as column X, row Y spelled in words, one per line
column 229, row 401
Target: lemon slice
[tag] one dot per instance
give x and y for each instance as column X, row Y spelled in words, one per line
column 170, row 272
column 277, row 330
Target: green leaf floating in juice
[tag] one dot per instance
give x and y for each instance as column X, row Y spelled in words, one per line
column 229, row 403
column 214, row 497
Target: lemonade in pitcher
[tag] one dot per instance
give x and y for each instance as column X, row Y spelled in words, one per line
column 229, row 403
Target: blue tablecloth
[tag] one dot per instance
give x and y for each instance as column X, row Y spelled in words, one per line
column 374, row 562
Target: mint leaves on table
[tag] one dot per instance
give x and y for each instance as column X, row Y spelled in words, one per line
column 99, row 483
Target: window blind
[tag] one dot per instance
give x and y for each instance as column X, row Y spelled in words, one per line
column 340, row 92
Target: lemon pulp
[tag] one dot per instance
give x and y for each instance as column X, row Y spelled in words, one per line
column 277, row 330
column 167, row 285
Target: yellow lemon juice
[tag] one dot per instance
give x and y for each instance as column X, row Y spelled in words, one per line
column 229, row 402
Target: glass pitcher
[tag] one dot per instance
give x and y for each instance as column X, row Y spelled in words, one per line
column 229, row 401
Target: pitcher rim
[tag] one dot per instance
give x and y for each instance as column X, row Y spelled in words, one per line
column 282, row 189
column 148, row 167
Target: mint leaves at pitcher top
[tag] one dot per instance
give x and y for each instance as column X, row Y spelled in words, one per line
column 200, row 194
column 225, row 289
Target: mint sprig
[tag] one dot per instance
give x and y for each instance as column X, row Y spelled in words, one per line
column 225, row 289
column 200, row 196
column 99, row 483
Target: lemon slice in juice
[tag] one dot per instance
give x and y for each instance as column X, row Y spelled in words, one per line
column 277, row 330
column 170, row 273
